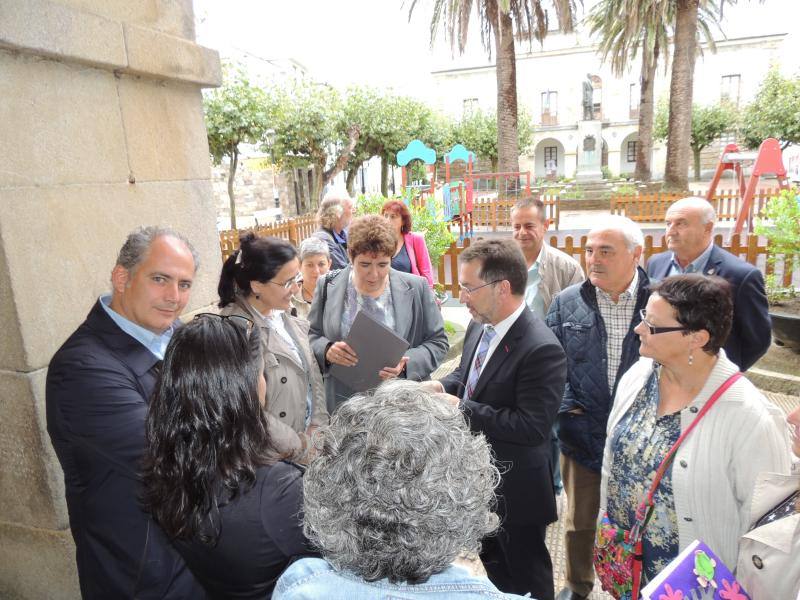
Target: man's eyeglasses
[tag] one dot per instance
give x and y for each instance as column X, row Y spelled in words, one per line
column 238, row 320
column 656, row 330
column 469, row 291
column 297, row 279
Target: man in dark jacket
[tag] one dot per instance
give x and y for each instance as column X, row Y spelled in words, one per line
column 98, row 386
column 690, row 231
column 594, row 322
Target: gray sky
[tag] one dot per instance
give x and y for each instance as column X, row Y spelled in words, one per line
column 371, row 42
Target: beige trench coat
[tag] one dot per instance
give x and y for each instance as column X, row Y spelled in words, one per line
column 287, row 381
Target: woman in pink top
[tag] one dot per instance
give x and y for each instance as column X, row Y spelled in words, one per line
column 411, row 255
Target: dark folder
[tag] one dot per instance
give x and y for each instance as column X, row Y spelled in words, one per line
column 376, row 346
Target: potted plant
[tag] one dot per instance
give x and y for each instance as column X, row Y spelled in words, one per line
column 781, row 226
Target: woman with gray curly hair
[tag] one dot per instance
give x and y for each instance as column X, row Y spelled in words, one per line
column 400, row 490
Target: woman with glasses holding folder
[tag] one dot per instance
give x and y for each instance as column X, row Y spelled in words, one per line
column 258, row 282
column 402, row 302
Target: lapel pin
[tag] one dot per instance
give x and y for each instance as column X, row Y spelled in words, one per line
column 506, row 349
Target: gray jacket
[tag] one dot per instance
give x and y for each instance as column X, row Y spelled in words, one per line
column 417, row 319
column 287, row 381
column 558, row 271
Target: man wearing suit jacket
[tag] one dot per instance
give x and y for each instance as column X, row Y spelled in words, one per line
column 509, row 384
column 690, row 231
column 98, row 386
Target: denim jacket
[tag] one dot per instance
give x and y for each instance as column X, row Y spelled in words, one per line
column 311, row 578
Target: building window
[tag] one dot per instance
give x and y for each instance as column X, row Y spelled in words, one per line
column 549, row 108
column 631, row 151
column 730, row 88
column 470, row 106
column 551, row 156
column 634, row 96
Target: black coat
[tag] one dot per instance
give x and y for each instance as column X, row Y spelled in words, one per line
column 98, row 386
column 575, row 319
column 514, row 405
column 751, row 331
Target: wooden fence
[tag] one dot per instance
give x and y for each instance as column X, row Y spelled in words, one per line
column 653, row 207
column 749, row 248
column 295, row 230
column 493, row 213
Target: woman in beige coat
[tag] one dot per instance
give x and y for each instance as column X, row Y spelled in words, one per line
column 257, row 282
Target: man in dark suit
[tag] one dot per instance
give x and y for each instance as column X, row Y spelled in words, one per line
column 98, row 386
column 509, row 384
column 690, row 231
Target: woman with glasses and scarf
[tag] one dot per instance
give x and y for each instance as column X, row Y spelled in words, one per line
column 401, row 301
column 705, row 492
column 211, row 479
column 258, row 282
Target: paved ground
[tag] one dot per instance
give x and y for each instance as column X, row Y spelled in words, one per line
column 555, row 533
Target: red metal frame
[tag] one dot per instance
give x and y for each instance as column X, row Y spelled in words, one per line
column 767, row 161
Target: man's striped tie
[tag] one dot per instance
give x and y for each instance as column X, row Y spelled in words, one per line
column 480, row 357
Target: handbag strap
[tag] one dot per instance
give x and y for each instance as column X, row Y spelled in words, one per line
column 646, row 508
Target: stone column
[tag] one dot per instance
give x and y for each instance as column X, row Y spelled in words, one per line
column 101, row 130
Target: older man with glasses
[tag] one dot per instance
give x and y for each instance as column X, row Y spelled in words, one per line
column 594, row 322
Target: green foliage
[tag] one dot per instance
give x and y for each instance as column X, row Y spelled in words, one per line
column 708, row 122
column 626, row 188
column 781, row 226
column 571, row 192
column 235, row 113
column 435, row 229
column 478, row 133
column 775, row 111
column 607, row 174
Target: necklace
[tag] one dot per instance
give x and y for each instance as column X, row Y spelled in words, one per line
column 304, row 292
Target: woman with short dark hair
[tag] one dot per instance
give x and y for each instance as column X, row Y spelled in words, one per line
column 401, row 301
column 411, row 253
column 705, row 492
column 211, row 478
column 258, row 282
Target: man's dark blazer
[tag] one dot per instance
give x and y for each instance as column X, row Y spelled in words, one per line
column 751, row 331
column 98, row 386
column 514, row 405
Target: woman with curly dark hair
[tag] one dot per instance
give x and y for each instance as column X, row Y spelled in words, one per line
column 211, row 479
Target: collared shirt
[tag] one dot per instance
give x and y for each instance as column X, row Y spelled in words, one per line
column 156, row 344
column 617, row 317
column 533, row 298
column 501, row 329
column 340, row 238
column 698, row 265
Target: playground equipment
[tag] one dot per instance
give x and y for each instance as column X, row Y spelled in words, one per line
column 417, row 150
column 766, row 161
column 458, row 195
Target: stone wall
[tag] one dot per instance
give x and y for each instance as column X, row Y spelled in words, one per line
column 101, row 130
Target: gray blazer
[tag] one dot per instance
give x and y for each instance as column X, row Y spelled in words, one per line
column 417, row 319
column 287, row 381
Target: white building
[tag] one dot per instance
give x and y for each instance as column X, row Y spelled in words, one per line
column 550, row 80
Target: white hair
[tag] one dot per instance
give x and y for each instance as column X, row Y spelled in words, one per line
column 629, row 230
column 708, row 214
column 313, row 247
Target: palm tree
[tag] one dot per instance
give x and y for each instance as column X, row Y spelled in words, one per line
column 503, row 21
column 645, row 29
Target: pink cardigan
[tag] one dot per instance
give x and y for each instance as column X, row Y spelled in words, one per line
column 418, row 255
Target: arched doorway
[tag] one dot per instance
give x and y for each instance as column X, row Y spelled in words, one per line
column 627, row 153
column 548, row 158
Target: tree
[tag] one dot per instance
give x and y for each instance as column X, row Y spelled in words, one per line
column 645, row 30
column 478, row 133
column 502, row 21
column 775, row 112
column 235, row 113
column 708, row 123
column 307, row 119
